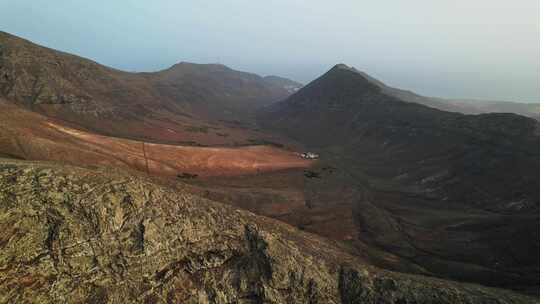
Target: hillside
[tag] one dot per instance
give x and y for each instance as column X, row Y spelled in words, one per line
column 219, row 90
column 73, row 234
column 400, row 185
column 31, row 136
column 441, row 190
column 181, row 100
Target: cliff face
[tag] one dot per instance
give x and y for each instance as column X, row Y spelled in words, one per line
column 91, row 235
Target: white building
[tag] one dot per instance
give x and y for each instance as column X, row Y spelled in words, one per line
column 309, row 155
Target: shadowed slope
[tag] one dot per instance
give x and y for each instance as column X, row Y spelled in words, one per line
column 344, row 109
column 219, row 92
column 452, row 194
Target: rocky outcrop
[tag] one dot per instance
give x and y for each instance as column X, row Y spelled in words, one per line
column 87, row 235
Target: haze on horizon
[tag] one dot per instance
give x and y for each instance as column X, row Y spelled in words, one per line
column 486, row 49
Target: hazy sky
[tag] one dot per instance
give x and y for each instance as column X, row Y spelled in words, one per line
column 453, row 48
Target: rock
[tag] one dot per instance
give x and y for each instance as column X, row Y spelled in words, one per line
column 74, row 235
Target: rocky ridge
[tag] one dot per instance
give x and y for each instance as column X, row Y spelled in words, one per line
column 98, row 235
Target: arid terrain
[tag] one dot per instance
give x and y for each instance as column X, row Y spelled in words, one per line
column 441, row 190
column 189, row 104
column 28, row 135
column 101, row 235
column 143, row 187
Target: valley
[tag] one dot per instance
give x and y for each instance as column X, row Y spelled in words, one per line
column 31, row 136
column 145, row 183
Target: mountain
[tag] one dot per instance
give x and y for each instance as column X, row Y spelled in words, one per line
column 465, row 106
column 219, row 89
column 452, row 195
column 96, row 235
column 183, row 99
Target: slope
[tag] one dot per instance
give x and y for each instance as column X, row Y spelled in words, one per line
column 104, row 236
column 452, row 194
column 161, row 106
column 31, row 136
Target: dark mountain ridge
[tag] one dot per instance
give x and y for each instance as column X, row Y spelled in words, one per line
column 216, row 88
column 405, row 159
column 345, row 96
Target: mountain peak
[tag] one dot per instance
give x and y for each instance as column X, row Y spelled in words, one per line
column 342, row 66
column 351, row 73
column 339, row 82
column 191, row 65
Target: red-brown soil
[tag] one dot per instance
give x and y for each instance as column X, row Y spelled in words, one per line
column 31, row 136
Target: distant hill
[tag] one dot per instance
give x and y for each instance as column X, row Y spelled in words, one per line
column 474, row 106
column 138, row 105
column 218, row 89
column 405, row 159
column 465, row 106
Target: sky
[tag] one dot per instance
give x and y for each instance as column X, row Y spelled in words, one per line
column 485, row 49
